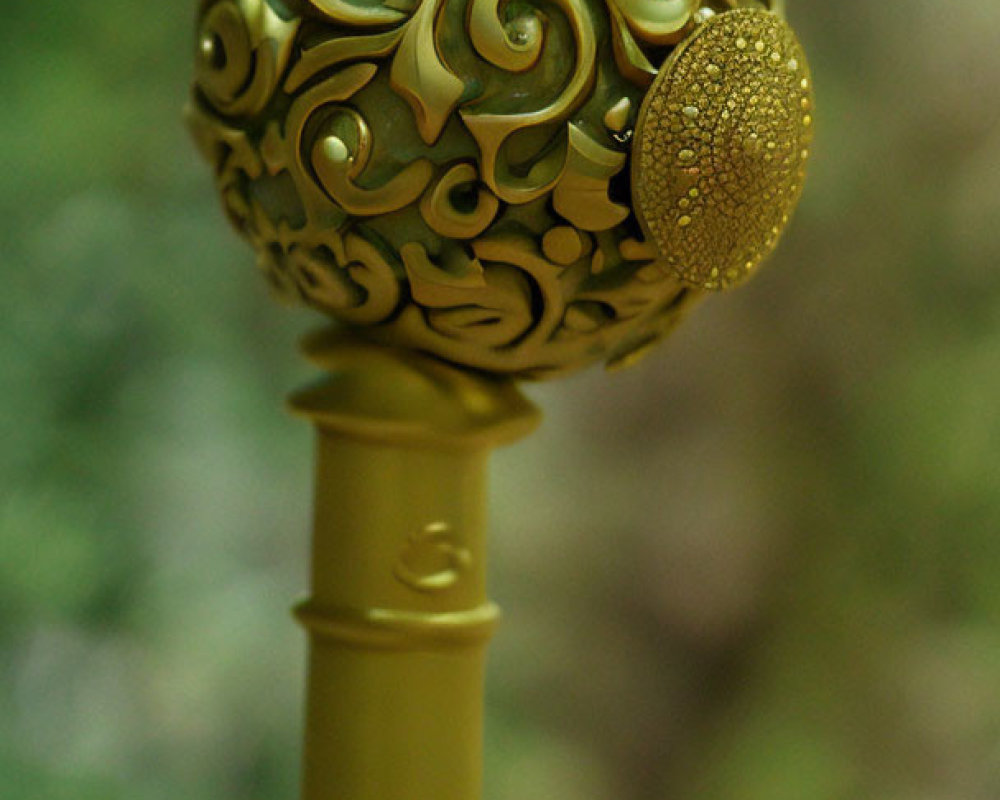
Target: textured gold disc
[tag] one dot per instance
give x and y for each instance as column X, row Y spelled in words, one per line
column 721, row 145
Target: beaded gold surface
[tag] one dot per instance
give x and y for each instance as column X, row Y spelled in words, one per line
column 723, row 139
column 461, row 177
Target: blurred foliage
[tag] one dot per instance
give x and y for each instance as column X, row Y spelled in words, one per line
column 762, row 565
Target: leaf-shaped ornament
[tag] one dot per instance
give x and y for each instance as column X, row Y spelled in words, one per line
column 421, row 78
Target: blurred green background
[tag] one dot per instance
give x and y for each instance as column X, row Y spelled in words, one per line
column 763, row 565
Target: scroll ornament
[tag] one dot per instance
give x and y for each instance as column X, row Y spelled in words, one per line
column 518, row 186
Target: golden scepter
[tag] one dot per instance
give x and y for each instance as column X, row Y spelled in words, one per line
column 478, row 192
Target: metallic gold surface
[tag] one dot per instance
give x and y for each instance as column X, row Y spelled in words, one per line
column 723, row 139
column 517, row 188
column 398, row 615
column 462, row 177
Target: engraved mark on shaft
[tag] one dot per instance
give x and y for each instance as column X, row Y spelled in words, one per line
column 433, row 559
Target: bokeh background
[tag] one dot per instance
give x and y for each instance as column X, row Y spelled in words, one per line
column 763, row 565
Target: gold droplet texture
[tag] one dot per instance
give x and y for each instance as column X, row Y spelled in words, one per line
column 725, row 125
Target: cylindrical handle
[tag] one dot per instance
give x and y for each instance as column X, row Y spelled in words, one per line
column 398, row 615
column 399, row 622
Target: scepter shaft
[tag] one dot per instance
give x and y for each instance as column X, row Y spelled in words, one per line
column 398, row 616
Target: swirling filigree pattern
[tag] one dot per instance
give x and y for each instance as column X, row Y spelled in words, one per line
column 452, row 174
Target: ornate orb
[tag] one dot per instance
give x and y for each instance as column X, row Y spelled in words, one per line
column 517, row 186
